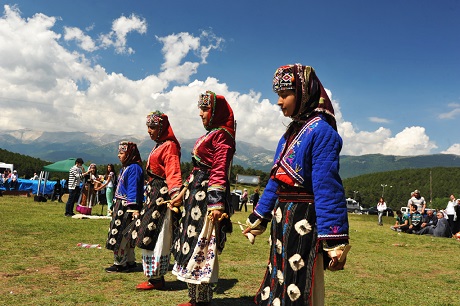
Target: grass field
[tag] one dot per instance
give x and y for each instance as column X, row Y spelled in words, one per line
column 41, row 264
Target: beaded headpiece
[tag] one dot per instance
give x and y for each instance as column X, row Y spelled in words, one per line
column 284, row 79
column 207, row 99
column 123, row 147
column 154, row 119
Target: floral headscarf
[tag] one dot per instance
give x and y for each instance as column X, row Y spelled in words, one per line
column 158, row 119
column 310, row 94
column 221, row 114
column 132, row 153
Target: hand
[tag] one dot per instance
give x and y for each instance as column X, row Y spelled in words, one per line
column 135, row 215
column 215, row 215
column 338, row 258
column 176, row 202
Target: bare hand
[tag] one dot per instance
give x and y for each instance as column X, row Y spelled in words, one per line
column 215, row 215
column 334, row 264
column 338, row 258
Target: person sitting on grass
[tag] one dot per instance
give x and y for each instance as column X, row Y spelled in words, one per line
column 415, row 220
column 402, row 222
column 440, row 229
column 429, row 220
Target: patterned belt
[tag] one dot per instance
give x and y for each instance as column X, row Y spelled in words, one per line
column 294, row 195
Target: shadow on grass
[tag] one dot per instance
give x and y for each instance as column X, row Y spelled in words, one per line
column 224, row 285
column 241, row 301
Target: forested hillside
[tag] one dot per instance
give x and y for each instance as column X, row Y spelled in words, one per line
column 25, row 165
column 435, row 184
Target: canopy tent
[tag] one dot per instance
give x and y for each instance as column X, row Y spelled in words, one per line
column 60, row 166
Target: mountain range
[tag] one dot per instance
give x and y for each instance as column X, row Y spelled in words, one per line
column 102, row 149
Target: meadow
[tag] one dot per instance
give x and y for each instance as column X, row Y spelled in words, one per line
column 41, row 264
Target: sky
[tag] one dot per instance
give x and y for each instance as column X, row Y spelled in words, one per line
column 391, row 68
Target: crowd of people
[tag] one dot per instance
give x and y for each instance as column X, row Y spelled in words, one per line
column 304, row 194
column 9, row 179
column 422, row 221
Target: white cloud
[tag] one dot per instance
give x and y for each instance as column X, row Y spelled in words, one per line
column 84, row 41
column 40, row 78
column 378, row 120
column 454, row 113
column 453, row 149
column 121, row 27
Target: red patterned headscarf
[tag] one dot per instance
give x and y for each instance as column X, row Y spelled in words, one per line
column 310, row 94
column 132, row 153
column 158, row 119
column 221, row 114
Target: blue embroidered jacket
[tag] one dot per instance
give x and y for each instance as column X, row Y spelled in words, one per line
column 312, row 162
column 131, row 186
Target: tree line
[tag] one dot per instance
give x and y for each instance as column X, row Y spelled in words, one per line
column 435, row 184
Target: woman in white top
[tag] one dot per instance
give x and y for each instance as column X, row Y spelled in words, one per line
column 381, row 207
column 450, row 211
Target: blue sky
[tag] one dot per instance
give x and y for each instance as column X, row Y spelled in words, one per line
column 391, row 67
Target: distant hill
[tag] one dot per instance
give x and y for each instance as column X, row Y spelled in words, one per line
column 102, row 149
column 351, row 166
column 434, row 183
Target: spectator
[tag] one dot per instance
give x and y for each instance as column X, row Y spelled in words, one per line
column 457, row 213
column 381, row 208
column 110, row 181
column 451, row 214
column 429, row 221
column 75, row 177
column 255, row 198
column 35, row 177
column 402, row 222
column 5, row 177
column 14, row 184
column 418, row 200
column 244, row 200
column 442, row 228
column 415, row 220
column 57, row 192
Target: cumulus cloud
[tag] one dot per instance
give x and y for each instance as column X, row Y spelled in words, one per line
column 121, row 27
column 40, row 88
column 453, row 149
column 84, row 41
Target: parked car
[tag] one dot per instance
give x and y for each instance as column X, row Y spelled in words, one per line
column 387, row 212
column 354, row 207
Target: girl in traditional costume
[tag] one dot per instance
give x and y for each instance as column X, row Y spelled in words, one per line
column 154, row 228
column 206, row 196
column 304, row 195
column 129, row 196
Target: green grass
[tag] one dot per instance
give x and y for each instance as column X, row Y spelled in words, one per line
column 41, row 264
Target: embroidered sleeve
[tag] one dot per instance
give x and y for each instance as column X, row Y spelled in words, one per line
column 267, row 201
column 134, row 185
